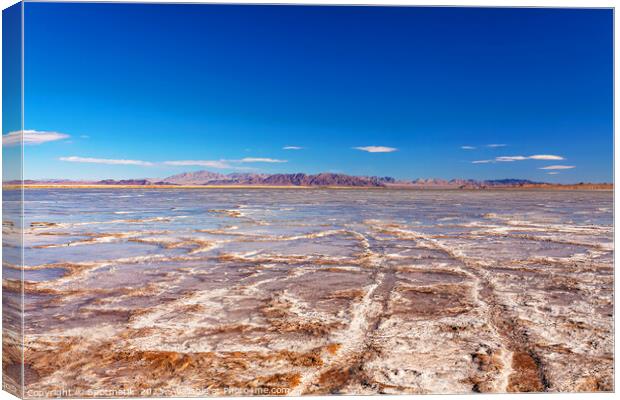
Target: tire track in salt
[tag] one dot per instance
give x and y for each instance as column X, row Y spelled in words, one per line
column 523, row 370
column 356, row 341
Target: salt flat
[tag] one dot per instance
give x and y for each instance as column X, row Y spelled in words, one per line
column 266, row 291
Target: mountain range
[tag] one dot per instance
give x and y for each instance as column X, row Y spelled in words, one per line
column 297, row 179
column 326, row 179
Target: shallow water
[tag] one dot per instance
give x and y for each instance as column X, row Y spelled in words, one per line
column 236, row 292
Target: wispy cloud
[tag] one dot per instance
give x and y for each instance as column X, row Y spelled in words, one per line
column 259, row 160
column 493, row 145
column 510, row 158
column 520, row 158
column 223, row 164
column 468, row 147
column 376, row 149
column 545, row 157
column 552, row 173
column 558, row 167
column 292, row 148
column 219, row 164
column 30, row 137
column 105, row 161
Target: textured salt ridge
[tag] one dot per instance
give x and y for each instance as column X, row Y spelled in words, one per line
column 390, row 309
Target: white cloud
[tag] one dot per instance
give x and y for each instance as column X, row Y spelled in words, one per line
column 468, row 147
column 105, row 161
column 493, row 145
column 31, row 137
column 558, row 167
column 377, row 149
column 258, row 159
column 510, row 158
column 221, row 164
column 292, row 148
column 520, row 158
column 552, row 173
column 545, row 157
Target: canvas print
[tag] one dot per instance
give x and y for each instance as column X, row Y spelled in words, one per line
column 249, row 200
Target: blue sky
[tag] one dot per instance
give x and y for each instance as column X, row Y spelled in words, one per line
column 129, row 91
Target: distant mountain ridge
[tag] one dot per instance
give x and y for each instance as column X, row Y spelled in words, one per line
column 196, row 178
column 297, row 179
column 325, row 179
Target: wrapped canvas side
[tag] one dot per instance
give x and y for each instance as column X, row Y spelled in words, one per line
column 12, row 201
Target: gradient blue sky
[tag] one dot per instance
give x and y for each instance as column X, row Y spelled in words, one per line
column 230, row 86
